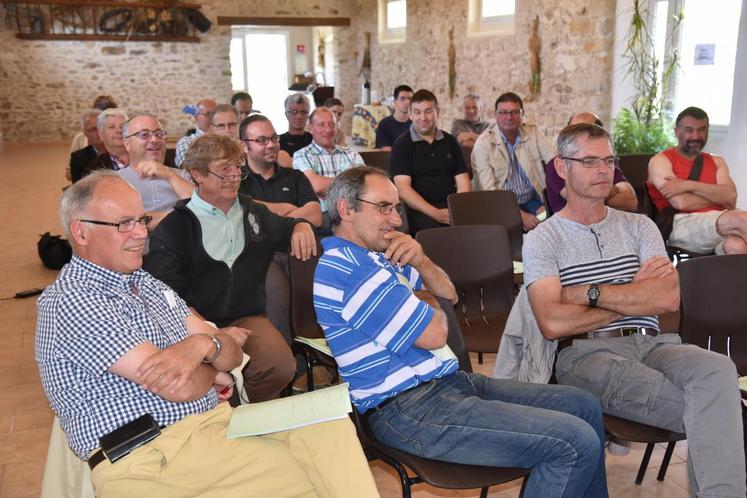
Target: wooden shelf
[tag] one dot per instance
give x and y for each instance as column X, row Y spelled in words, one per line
column 104, row 20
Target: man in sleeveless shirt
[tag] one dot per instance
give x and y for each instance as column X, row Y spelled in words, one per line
column 706, row 219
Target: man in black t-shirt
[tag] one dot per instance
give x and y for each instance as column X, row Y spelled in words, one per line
column 297, row 112
column 395, row 125
column 427, row 165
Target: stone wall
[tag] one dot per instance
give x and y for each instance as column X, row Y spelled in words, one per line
column 44, row 85
column 576, row 57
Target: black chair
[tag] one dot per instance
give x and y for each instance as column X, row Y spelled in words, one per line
column 376, row 158
column 635, row 169
column 467, row 155
column 713, row 314
column 489, row 207
column 482, row 272
column 303, row 317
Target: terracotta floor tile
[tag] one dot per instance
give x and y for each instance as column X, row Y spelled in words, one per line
column 24, row 446
column 37, row 418
column 23, row 479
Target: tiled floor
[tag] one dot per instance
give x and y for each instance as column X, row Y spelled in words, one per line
column 32, row 181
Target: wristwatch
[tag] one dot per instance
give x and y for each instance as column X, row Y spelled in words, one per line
column 218, row 348
column 593, row 295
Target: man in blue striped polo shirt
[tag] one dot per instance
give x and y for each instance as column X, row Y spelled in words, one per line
column 374, row 294
column 604, row 274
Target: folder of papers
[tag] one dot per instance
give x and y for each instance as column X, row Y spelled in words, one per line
column 321, row 405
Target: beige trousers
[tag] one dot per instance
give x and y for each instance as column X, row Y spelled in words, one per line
column 194, row 458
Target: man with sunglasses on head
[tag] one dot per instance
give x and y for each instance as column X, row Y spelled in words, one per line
column 214, row 250
column 596, row 278
column 159, row 186
column 511, row 155
column 203, row 111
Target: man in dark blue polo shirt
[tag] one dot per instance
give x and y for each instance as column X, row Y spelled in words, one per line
column 427, row 165
column 395, row 125
column 286, row 192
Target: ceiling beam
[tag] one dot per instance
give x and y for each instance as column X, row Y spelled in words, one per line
column 282, row 21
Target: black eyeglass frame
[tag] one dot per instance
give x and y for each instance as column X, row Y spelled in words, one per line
column 143, row 220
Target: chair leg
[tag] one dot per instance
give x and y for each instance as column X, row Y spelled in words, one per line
column 310, row 375
column 523, row 486
column 479, row 358
column 484, row 492
column 644, row 463
column 665, row 461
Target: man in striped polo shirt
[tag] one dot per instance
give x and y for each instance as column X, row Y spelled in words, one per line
column 604, row 274
column 374, row 294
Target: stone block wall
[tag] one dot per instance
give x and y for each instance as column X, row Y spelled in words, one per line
column 44, row 85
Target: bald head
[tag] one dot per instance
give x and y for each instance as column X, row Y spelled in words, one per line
column 205, row 109
column 586, row 118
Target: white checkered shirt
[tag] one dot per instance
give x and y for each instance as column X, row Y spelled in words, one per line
column 88, row 319
column 182, row 146
column 324, row 163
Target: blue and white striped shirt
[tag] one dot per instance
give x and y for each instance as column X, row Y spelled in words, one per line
column 88, row 319
column 371, row 319
column 517, row 180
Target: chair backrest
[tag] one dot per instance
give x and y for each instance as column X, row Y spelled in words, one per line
column 713, row 314
column 467, row 155
column 489, row 207
column 302, row 314
column 376, row 158
column 635, row 169
column 478, row 261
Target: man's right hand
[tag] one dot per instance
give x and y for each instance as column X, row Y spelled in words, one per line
column 170, row 369
column 528, row 220
column 442, row 216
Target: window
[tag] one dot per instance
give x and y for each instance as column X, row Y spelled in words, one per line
column 707, row 49
column 491, row 17
column 392, row 21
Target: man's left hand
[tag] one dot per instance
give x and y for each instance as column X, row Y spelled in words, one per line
column 303, row 242
column 152, row 169
column 403, row 249
column 673, row 186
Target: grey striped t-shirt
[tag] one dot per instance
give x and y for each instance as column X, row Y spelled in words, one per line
column 608, row 252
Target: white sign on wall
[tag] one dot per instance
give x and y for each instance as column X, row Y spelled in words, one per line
column 705, row 54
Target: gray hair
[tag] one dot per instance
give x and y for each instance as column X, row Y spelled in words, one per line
column 322, row 110
column 472, row 96
column 349, row 186
column 108, row 113
column 296, row 98
column 88, row 114
column 224, row 108
column 568, row 138
column 76, row 198
column 126, row 127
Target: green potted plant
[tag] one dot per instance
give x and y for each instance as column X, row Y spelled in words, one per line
column 645, row 128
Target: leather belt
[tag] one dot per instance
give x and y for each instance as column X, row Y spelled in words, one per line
column 95, row 459
column 605, row 334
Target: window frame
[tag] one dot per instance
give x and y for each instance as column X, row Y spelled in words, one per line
column 477, row 25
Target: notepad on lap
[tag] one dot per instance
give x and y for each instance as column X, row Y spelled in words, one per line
column 321, row 405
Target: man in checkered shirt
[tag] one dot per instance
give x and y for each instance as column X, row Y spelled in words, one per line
column 113, row 343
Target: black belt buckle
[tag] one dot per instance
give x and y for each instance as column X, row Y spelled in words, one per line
column 122, row 441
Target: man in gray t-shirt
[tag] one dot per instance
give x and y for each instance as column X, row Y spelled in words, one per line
column 593, row 272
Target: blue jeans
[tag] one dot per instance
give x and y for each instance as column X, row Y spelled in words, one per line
column 472, row 419
column 680, row 387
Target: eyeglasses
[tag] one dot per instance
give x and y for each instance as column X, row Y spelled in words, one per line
column 263, row 140
column 385, row 208
column 146, row 135
column 224, row 126
column 505, row 114
column 123, row 226
column 594, row 162
column 243, row 174
column 296, row 112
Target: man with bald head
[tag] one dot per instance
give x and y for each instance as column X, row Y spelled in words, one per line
column 159, row 186
column 203, row 113
column 114, row 344
column 621, row 196
column 322, row 160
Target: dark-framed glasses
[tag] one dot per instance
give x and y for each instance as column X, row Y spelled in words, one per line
column 595, row 162
column 263, row 140
column 148, row 134
column 226, row 126
column 513, row 113
column 125, row 225
column 243, row 174
column 296, row 112
column 384, row 208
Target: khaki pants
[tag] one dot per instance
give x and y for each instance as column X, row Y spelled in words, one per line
column 194, row 458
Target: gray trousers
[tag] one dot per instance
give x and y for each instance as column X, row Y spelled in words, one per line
column 680, row 387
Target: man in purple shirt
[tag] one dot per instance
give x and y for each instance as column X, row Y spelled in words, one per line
column 622, row 195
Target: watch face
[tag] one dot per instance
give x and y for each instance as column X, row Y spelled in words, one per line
column 593, row 293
